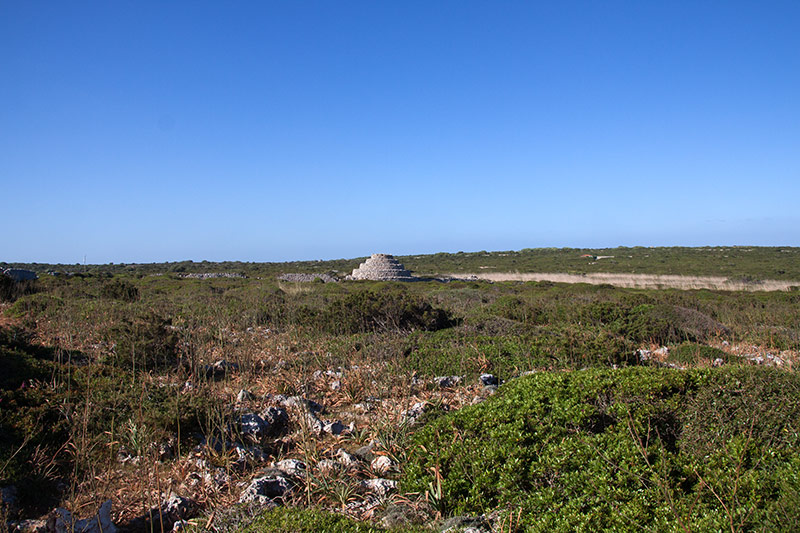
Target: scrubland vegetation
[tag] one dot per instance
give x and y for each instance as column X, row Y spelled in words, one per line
column 646, row 409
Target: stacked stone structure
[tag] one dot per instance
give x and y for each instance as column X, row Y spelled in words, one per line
column 382, row 267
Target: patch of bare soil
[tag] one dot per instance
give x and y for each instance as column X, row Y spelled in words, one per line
column 640, row 281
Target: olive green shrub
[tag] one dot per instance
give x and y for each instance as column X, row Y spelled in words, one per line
column 638, row 448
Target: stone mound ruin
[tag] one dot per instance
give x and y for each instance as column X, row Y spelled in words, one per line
column 382, row 267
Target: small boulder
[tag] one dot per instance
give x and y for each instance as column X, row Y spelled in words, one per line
column 244, row 396
column 411, row 415
column 379, row 486
column 264, row 490
column 488, row 380
column 447, row 382
column 335, row 427
column 300, row 403
column 381, row 464
column 277, row 420
column 220, row 369
column 345, row 458
column 292, row 467
column 174, row 510
column 62, row 521
column 328, row 467
column 253, row 427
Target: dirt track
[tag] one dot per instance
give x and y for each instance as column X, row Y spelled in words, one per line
column 642, row 281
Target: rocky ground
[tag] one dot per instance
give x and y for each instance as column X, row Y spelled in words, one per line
column 289, row 434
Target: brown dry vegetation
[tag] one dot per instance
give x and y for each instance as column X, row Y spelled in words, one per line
column 641, row 281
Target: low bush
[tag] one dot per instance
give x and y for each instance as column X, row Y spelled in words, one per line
column 638, row 448
column 376, row 311
column 690, row 353
column 120, row 290
column 32, row 305
column 144, row 341
column 10, row 289
column 31, row 429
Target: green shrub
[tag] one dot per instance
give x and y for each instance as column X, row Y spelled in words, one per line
column 31, row 427
column 514, row 307
column 21, row 362
column 143, row 341
column 653, row 323
column 568, row 346
column 120, row 290
column 33, row 305
column 638, row 448
column 387, row 310
column 458, row 351
column 689, row 353
column 10, row 289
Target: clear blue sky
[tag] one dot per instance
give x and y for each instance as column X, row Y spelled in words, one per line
column 269, row 131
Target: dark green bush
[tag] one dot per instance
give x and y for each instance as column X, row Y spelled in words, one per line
column 638, row 448
column 568, row 346
column 30, row 422
column 515, row 307
column 690, row 353
column 10, row 289
column 273, row 308
column 653, row 323
column 33, row 305
column 387, row 310
column 120, row 290
column 144, row 341
column 601, row 313
column 21, row 362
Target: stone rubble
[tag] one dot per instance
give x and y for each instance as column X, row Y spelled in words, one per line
column 211, row 275
column 379, row 485
column 305, row 278
column 447, row 382
column 292, row 467
column 176, row 510
column 265, row 490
